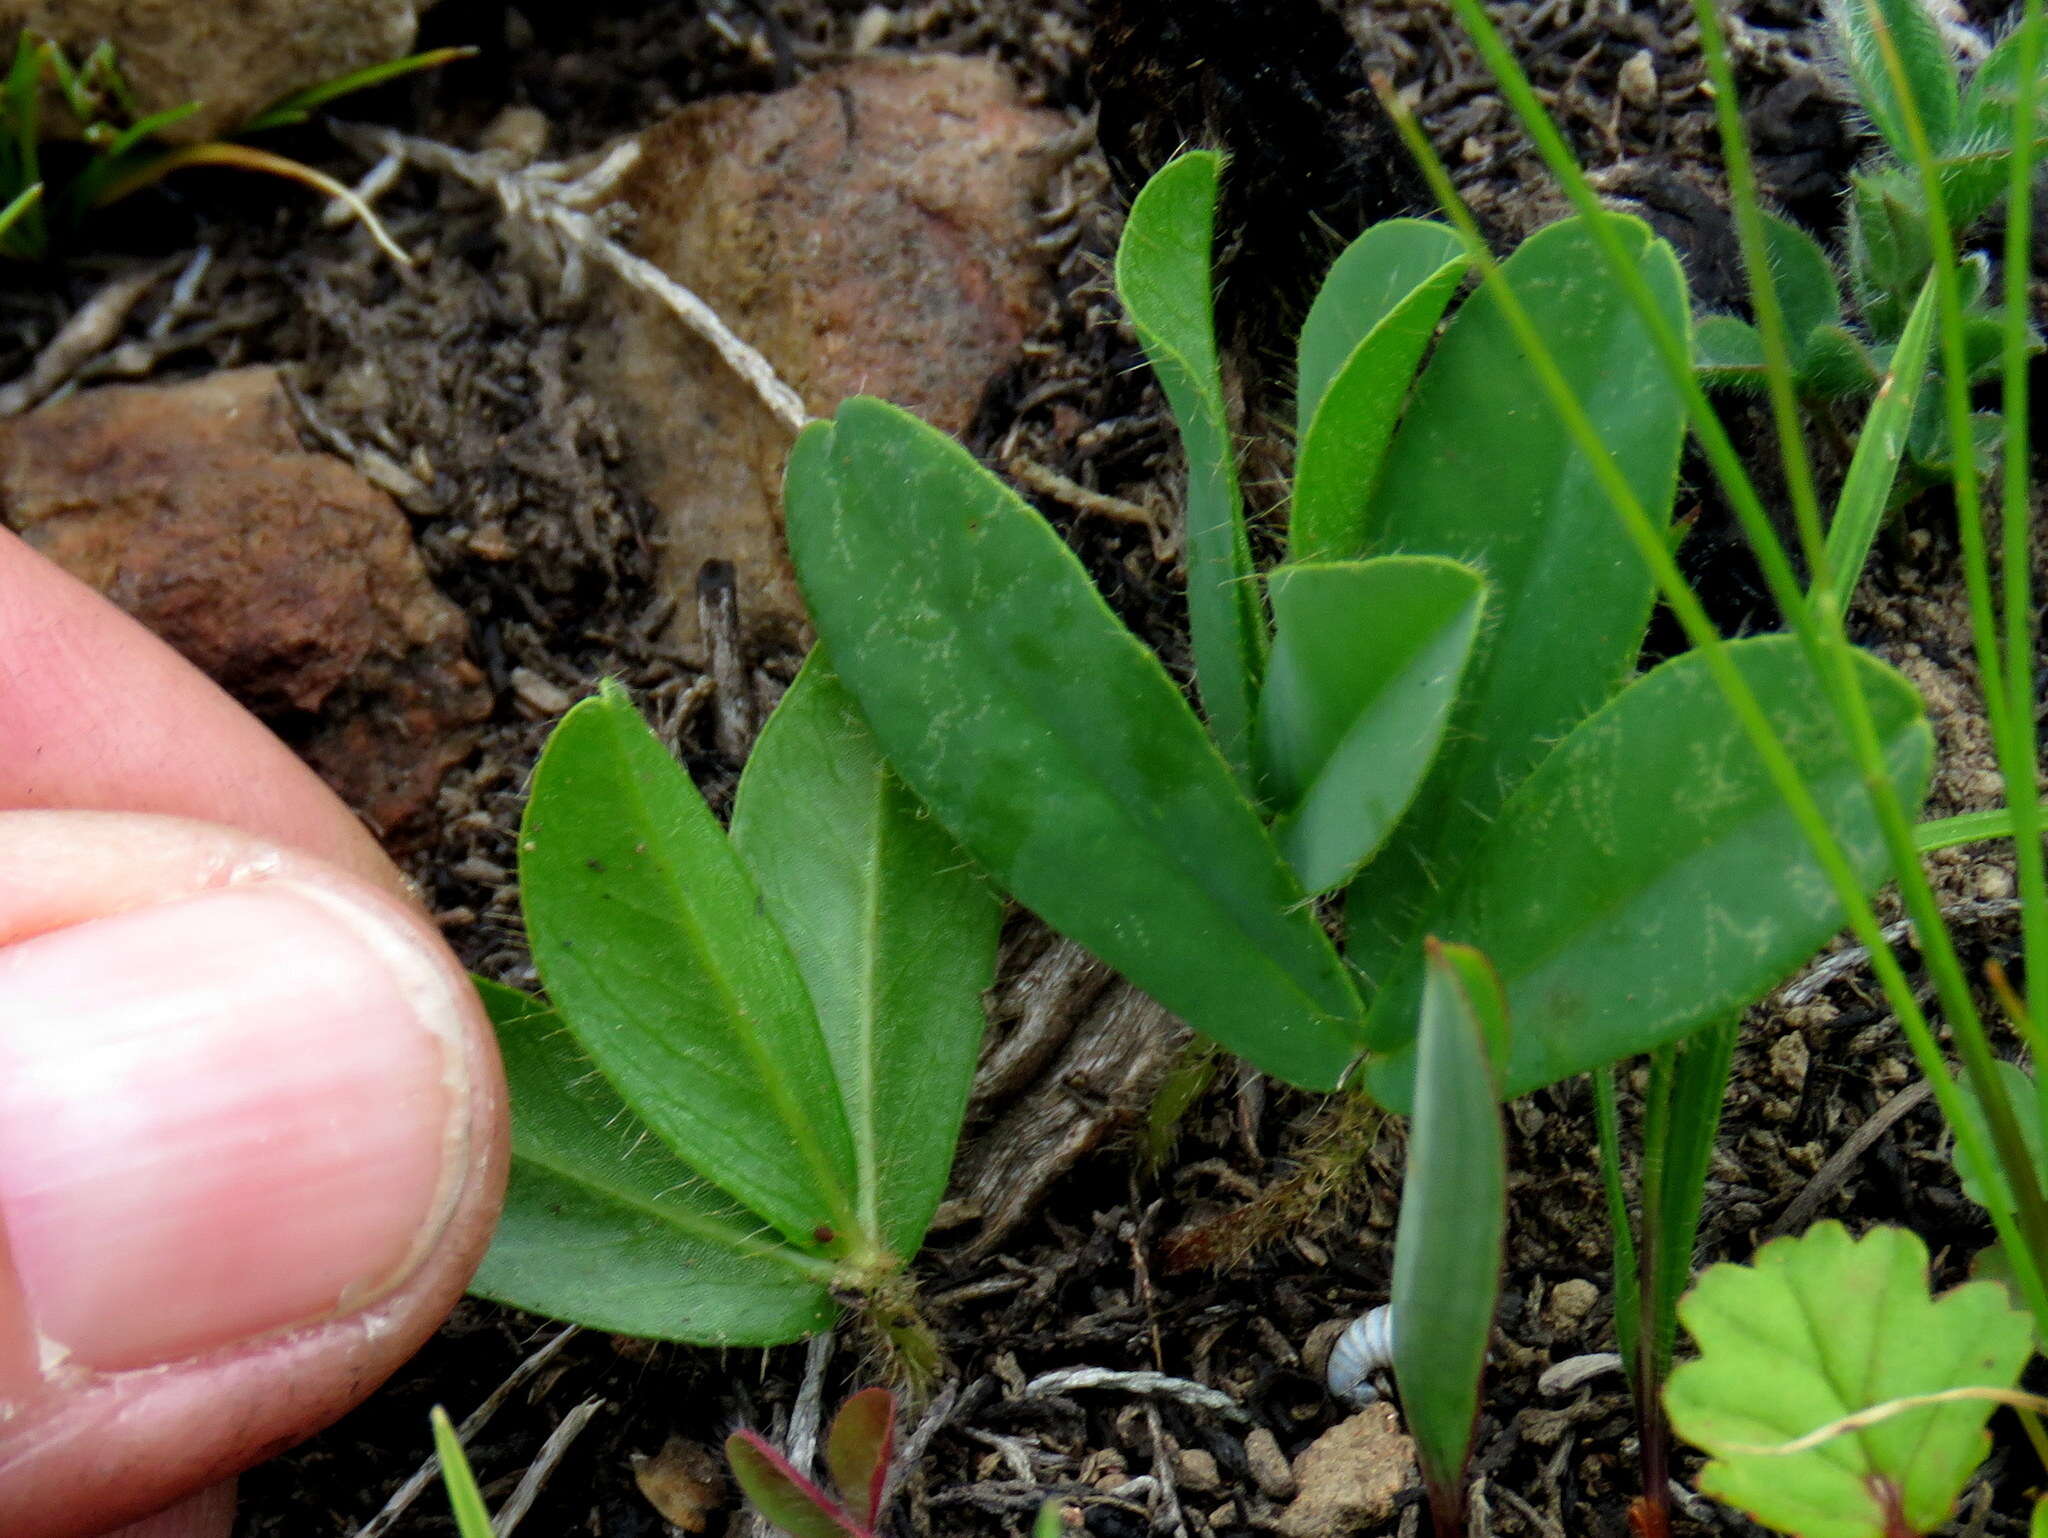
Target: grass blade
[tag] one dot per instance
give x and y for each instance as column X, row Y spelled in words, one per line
column 472, row 1517
column 1866, row 492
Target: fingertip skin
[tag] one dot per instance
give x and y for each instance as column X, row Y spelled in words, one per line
column 89, row 1450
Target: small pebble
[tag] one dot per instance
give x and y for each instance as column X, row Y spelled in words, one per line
column 1269, row 1465
column 1570, row 1301
column 1789, row 1059
column 1637, row 81
column 1196, row 1470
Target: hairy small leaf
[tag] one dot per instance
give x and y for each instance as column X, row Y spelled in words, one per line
column 654, row 944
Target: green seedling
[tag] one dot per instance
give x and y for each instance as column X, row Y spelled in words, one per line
column 1437, row 717
column 1447, row 1248
column 857, row 1449
column 1654, row 1239
column 739, row 1106
column 1834, row 1396
column 465, row 1501
column 96, row 148
column 1891, row 236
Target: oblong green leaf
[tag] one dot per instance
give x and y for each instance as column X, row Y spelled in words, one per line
column 1367, row 656
column 1447, row 1247
column 894, row 932
column 1163, row 277
column 1927, row 65
column 1482, row 472
column 1051, row 743
column 1728, row 353
column 653, row 943
column 1648, row 878
column 603, row 1225
column 465, row 1501
column 1376, row 275
column 1344, row 446
column 1822, row 1327
column 1804, row 279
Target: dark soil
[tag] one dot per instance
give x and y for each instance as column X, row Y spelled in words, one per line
column 1272, row 1216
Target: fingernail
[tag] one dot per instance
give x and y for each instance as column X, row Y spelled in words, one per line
column 222, row 1116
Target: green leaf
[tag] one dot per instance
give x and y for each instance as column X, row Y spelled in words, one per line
column 1372, row 280
column 1804, row 279
column 893, row 930
column 1890, row 247
column 654, row 944
column 1447, row 1248
column 1163, row 276
column 301, row 105
column 1648, row 878
column 1837, row 365
column 1366, row 661
column 1051, row 743
column 603, row 1225
column 1880, row 449
column 1928, row 67
column 1359, row 349
column 2018, row 1089
column 1727, row 353
column 1482, row 472
column 782, row 1495
column 857, row 1451
column 1824, row 1326
column 472, row 1517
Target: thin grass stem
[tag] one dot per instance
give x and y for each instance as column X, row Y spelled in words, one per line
column 2022, row 786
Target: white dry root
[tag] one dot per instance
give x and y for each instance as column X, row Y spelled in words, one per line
column 556, row 197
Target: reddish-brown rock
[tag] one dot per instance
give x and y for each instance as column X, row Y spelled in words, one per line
column 281, row 573
column 868, row 231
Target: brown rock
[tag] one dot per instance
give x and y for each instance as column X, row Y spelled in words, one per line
column 684, row 1482
column 282, row 574
column 1350, row 1476
column 867, row 230
column 235, row 59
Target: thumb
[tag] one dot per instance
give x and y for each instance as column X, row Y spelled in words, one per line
column 250, row 1149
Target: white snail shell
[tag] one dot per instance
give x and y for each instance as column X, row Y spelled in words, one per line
column 1362, row 1353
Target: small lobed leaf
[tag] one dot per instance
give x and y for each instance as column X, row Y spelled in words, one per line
column 1447, row 1246
column 782, row 1495
column 1823, row 1327
column 653, row 942
column 1051, row 744
column 857, row 1451
column 1164, row 279
column 605, row 1226
column 1367, row 658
